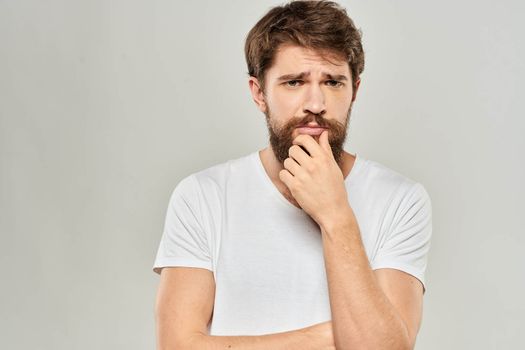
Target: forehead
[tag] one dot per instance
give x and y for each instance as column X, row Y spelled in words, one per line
column 292, row 58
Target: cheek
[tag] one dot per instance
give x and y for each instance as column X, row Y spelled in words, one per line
column 340, row 105
column 285, row 104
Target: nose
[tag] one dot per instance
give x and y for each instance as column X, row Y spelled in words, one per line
column 314, row 102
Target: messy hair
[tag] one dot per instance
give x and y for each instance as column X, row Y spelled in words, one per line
column 323, row 26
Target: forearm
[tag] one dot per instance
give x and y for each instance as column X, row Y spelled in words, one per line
column 362, row 315
column 312, row 337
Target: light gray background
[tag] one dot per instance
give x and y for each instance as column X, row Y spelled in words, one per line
column 106, row 105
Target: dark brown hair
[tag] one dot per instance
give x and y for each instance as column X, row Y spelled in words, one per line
column 320, row 25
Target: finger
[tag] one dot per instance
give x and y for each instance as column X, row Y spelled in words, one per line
column 286, row 177
column 324, row 143
column 305, row 150
column 298, row 155
column 292, row 166
column 308, row 142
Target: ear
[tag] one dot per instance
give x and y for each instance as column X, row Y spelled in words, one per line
column 354, row 93
column 257, row 93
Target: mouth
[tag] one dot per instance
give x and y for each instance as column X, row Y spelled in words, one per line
column 311, row 130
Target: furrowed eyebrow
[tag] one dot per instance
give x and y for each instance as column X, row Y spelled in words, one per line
column 302, row 75
column 336, row 77
column 293, row 76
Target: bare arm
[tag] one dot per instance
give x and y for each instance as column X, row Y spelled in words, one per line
column 370, row 309
column 183, row 311
column 317, row 337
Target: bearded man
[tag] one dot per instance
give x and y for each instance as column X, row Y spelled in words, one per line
column 301, row 245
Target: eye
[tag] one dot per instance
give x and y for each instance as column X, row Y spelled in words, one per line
column 293, row 83
column 334, row 83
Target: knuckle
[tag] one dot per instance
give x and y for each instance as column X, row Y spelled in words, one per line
column 298, row 185
column 310, row 167
column 302, row 176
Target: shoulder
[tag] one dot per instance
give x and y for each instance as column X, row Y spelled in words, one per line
column 380, row 180
column 216, row 177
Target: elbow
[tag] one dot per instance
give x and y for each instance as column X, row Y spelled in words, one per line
column 403, row 339
column 410, row 344
column 165, row 343
column 406, row 342
column 168, row 338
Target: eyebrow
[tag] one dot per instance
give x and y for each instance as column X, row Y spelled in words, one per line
column 303, row 75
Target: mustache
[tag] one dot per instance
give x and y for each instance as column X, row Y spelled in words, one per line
column 310, row 117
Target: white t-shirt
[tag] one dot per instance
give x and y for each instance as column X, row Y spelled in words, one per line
column 266, row 254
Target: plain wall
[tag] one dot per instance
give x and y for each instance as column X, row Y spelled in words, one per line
column 106, row 105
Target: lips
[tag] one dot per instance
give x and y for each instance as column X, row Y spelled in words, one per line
column 311, row 130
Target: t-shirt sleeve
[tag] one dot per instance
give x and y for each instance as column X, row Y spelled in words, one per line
column 407, row 244
column 183, row 242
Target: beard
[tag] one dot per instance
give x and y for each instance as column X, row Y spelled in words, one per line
column 281, row 137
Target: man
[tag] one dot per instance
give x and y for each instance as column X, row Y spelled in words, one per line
column 300, row 245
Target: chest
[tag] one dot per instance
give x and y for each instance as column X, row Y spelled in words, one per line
column 269, row 249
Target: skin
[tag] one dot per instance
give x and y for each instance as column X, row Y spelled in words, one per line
column 372, row 309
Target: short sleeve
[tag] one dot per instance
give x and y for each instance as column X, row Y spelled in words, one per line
column 183, row 242
column 407, row 244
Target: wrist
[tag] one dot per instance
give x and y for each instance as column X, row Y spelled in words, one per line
column 337, row 220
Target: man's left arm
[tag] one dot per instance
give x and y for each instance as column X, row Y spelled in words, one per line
column 378, row 309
